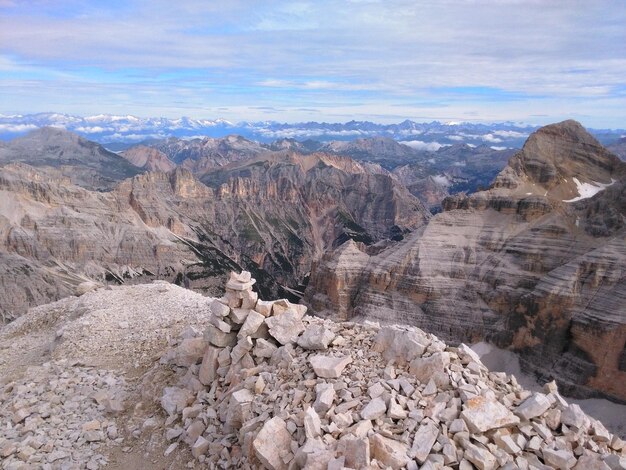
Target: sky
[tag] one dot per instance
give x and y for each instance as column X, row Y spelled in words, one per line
column 532, row 61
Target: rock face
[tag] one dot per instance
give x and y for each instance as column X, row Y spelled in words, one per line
column 84, row 163
column 355, row 407
column 536, row 263
column 202, row 155
column 148, row 159
column 273, row 216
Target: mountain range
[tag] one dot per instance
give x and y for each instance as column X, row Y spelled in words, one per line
column 534, row 263
column 113, row 130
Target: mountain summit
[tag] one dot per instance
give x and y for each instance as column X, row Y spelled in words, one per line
column 535, row 263
column 86, row 163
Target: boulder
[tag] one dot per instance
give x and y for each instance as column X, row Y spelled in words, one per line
column 316, row 337
column 285, row 327
column 329, row 367
column 272, row 444
column 535, row 405
column 482, row 414
column 389, row 452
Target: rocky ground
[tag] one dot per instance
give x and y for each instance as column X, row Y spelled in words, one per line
column 156, row 376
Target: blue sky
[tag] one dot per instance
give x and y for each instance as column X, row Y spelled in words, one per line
column 534, row 61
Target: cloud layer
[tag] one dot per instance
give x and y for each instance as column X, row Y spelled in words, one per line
column 485, row 60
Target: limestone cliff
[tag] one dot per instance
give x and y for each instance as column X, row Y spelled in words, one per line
column 536, row 263
column 274, row 216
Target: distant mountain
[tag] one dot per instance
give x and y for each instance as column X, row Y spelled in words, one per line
column 274, row 214
column 111, row 129
column 201, row 155
column 85, row 163
column 148, row 158
column 619, row 148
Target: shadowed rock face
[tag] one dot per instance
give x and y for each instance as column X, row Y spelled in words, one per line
column 83, row 162
column 273, row 216
column 515, row 265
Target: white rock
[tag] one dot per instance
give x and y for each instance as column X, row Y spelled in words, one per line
column 219, row 309
column 200, row 447
column 316, row 337
column 534, row 406
column 433, row 366
column 264, row 307
column 423, row 442
column 374, row 409
column 273, row 444
column 400, row 344
column 389, row 452
column 561, row 459
column 312, row 424
column 574, row 416
column 208, row 368
column 263, row 349
column 253, row 321
column 175, row 399
column 325, row 396
column 591, row 462
column 482, row 458
column 285, row 327
column 329, row 367
column 482, row 414
column 218, row 338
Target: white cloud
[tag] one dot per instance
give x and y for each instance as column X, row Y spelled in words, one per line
column 393, row 57
column 17, row 127
column 420, row 145
column 491, row 138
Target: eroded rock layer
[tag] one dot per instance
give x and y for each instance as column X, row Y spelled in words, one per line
column 537, row 263
column 273, row 215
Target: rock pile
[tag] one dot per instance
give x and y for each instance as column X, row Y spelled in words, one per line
column 60, row 416
column 267, row 386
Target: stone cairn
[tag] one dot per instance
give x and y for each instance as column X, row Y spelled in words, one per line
column 268, row 387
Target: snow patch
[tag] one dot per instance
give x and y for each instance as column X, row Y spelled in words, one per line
column 587, row 190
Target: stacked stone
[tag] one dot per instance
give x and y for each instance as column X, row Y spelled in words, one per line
column 59, row 416
column 268, row 387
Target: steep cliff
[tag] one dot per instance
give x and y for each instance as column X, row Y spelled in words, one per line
column 274, row 216
column 536, row 263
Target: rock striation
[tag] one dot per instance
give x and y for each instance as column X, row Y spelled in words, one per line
column 274, row 216
column 536, row 263
column 366, row 400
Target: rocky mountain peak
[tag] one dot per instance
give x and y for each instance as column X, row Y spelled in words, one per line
column 86, row 163
column 559, row 152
